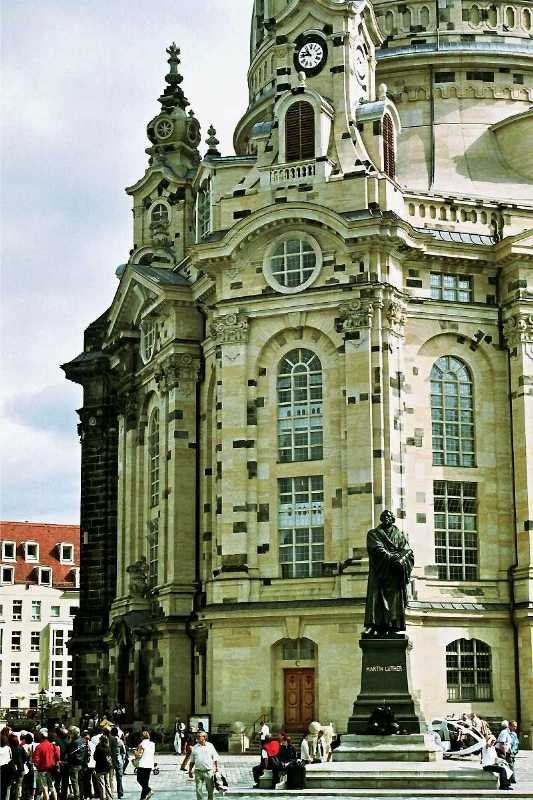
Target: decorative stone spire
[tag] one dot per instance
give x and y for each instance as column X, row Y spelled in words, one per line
column 173, row 95
column 212, row 142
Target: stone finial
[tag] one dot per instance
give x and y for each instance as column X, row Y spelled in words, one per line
column 382, row 91
column 212, row 142
column 173, row 94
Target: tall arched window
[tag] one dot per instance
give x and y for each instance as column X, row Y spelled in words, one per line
column 203, row 210
column 153, row 453
column 300, row 131
column 468, row 670
column 389, row 159
column 300, row 406
column 159, row 214
column 452, row 413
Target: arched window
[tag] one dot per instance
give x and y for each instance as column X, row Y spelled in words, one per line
column 300, row 406
column 159, row 214
column 468, row 670
column 389, row 160
column 298, row 650
column 153, row 459
column 153, row 552
column 452, row 413
column 203, row 211
column 300, row 132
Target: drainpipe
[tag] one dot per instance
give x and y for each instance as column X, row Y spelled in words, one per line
column 513, row 567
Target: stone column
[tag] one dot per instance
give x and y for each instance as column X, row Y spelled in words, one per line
column 518, row 334
column 236, row 459
column 355, row 322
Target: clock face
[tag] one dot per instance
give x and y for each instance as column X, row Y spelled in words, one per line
column 310, row 55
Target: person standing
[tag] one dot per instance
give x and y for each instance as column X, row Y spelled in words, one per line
column 179, row 729
column 118, row 757
column 204, row 759
column 187, row 743
column 145, row 752
column 46, row 759
column 73, row 760
column 305, row 754
column 28, row 780
column 103, row 767
column 264, row 731
column 7, row 767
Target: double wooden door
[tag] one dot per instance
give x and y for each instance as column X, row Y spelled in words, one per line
column 299, row 698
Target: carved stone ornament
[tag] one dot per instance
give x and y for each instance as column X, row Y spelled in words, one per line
column 356, row 314
column 177, row 370
column 138, row 572
column 395, row 316
column 230, row 329
column 518, row 333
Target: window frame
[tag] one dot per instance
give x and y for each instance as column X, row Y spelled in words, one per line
column 448, row 533
column 41, row 571
column 389, row 147
column 35, row 647
column 204, row 210
column 7, row 569
column 291, row 518
column 53, row 615
column 148, row 338
column 27, row 557
column 154, row 458
column 461, row 668
column 33, row 668
column 162, row 220
column 5, row 544
column 36, row 605
column 16, row 616
column 293, row 411
column 302, row 237
column 305, row 135
column 62, row 558
column 15, row 672
column 437, row 287
column 16, row 648
column 456, row 414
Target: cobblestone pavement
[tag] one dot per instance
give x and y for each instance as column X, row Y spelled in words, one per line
column 171, row 782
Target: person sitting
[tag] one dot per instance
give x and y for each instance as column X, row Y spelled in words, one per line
column 287, row 752
column 269, row 760
column 490, row 762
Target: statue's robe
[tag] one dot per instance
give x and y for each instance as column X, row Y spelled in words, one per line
column 391, row 561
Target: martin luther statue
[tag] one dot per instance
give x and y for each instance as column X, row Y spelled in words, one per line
column 391, row 561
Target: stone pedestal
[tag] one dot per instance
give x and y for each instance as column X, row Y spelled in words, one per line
column 385, row 681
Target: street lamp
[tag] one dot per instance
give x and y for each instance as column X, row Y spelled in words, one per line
column 42, row 702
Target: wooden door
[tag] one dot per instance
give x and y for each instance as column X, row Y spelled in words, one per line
column 299, row 699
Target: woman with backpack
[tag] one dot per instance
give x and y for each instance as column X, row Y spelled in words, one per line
column 102, row 770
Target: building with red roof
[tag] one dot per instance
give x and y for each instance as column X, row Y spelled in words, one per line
column 39, row 597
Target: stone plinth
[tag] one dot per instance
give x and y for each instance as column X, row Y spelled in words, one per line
column 406, row 776
column 385, row 681
column 418, row 747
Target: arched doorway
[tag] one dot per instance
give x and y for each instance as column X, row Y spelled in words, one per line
column 295, row 665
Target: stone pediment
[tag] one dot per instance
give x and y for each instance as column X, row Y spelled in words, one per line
column 140, row 288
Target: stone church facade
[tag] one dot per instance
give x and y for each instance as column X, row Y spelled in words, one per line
column 336, row 320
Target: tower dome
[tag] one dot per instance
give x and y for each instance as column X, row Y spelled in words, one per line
column 174, row 132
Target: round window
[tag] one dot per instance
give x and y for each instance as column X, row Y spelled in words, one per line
column 292, row 263
column 148, row 339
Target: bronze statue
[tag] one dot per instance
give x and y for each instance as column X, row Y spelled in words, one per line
column 390, row 564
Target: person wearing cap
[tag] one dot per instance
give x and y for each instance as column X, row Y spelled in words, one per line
column 46, row 759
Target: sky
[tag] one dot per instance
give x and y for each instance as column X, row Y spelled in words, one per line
column 80, row 81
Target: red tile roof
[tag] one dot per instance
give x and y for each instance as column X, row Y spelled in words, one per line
column 48, row 537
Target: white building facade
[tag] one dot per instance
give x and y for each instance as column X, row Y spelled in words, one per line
column 39, row 598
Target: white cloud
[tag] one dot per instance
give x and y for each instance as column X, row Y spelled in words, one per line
column 80, row 82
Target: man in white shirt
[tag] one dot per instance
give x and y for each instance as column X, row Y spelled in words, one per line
column 204, row 758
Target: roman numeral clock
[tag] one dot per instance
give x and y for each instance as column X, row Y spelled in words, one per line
column 311, row 54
